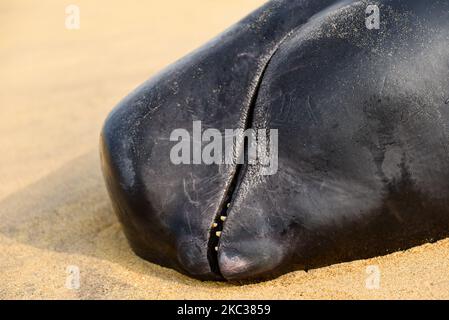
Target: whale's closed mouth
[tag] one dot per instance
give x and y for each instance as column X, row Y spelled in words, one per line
column 360, row 167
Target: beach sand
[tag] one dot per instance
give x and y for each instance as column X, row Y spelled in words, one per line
column 56, row 88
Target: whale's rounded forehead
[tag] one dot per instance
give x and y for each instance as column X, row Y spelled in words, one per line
column 403, row 28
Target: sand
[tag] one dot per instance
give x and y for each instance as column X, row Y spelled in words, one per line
column 56, row 88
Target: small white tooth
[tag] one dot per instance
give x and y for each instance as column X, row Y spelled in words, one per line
column 228, row 205
column 223, row 218
column 214, row 225
column 216, row 248
column 218, row 233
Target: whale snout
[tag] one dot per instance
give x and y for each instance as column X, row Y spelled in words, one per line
column 361, row 166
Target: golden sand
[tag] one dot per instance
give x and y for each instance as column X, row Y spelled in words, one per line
column 56, row 88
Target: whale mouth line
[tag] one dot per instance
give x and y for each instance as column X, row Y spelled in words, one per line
column 231, row 190
column 237, row 177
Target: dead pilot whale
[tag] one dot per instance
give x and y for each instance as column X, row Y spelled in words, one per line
column 363, row 145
